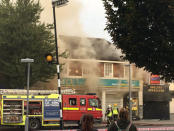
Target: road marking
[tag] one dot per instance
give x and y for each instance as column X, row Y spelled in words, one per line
column 139, row 129
column 156, row 129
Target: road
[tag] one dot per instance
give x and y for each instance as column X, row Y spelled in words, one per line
column 102, row 128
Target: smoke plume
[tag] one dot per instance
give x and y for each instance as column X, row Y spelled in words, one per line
column 73, row 39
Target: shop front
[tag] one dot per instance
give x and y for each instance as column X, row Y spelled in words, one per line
column 110, row 91
column 156, row 99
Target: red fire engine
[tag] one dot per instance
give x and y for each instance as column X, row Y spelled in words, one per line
column 74, row 106
column 44, row 110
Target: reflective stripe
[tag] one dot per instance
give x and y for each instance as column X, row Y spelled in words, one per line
column 70, row 108
column 39, row 97
column 10, row 96
column 89, row 109
column 98, row 109
column 31, row 96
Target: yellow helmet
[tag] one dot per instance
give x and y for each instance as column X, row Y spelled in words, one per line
column 115, row 104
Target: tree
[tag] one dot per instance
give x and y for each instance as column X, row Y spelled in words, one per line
column 144, row 31
column 22, row 35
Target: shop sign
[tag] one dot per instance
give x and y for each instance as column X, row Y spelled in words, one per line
column 101, row 82
column 156, row 93
column 155, row 79
column 73, row 82
column 156, row 89
column 118, row 83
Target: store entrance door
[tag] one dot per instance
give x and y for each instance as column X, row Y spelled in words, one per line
column 135, row 107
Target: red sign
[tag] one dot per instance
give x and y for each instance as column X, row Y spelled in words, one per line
column 155, row 79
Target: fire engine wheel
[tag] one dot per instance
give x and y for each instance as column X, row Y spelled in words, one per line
column 34, row 124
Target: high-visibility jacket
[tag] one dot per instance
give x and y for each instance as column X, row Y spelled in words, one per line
column 109, row 113
column 115, row 111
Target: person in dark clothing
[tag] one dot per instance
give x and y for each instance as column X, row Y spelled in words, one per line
column 87, row 122
column 109, row 115
column 123, row 123
column 115, row 112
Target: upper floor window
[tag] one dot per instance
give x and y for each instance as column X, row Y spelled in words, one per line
column 118, row 70
column 100, row 70
column 63, row 69
column 75, row 69
column 108, row 70
column 86, row 70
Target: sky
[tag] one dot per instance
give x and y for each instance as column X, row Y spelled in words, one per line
column 77, row 18
column 92, row 17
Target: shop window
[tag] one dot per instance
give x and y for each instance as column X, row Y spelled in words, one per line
column 72, row 101
column 108, row 70
column 82, row 101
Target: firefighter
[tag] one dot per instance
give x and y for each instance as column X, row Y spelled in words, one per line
column 109, row 115
column 115, row 112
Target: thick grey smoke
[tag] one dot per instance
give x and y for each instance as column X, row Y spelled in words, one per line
column 73, row 39
column 90, row 48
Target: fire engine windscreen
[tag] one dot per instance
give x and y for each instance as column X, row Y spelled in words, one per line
column 95, row 103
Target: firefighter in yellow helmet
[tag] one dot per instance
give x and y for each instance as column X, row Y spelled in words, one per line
column 115, row 112
column 109, row 115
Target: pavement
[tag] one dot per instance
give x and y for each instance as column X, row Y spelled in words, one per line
column 142, row 125
column 154, row 122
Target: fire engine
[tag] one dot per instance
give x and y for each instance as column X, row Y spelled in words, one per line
column 74, row 106
column 44, row 110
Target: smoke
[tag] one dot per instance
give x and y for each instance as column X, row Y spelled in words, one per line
column 91, row 78
column 67, row 17
column 89, row 48
column 78, row 47
column 73, row 39
column 141, row 74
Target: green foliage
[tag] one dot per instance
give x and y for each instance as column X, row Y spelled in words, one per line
column 23, row 36
column 144, row 31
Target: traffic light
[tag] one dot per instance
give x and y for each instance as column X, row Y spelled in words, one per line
column 49, row 58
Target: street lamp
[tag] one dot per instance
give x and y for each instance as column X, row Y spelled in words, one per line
column 27, row 60
column 130, row 93
column 58, row 3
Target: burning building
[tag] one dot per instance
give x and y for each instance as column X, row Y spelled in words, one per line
column 94, row 66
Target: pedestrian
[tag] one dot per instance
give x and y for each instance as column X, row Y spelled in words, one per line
column 87, row 122
column 123, row 123
column 109, row 115
column 115, row 112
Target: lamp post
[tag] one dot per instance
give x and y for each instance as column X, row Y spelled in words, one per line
column 27, row 60
column 58, row 3
column 130, row 93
